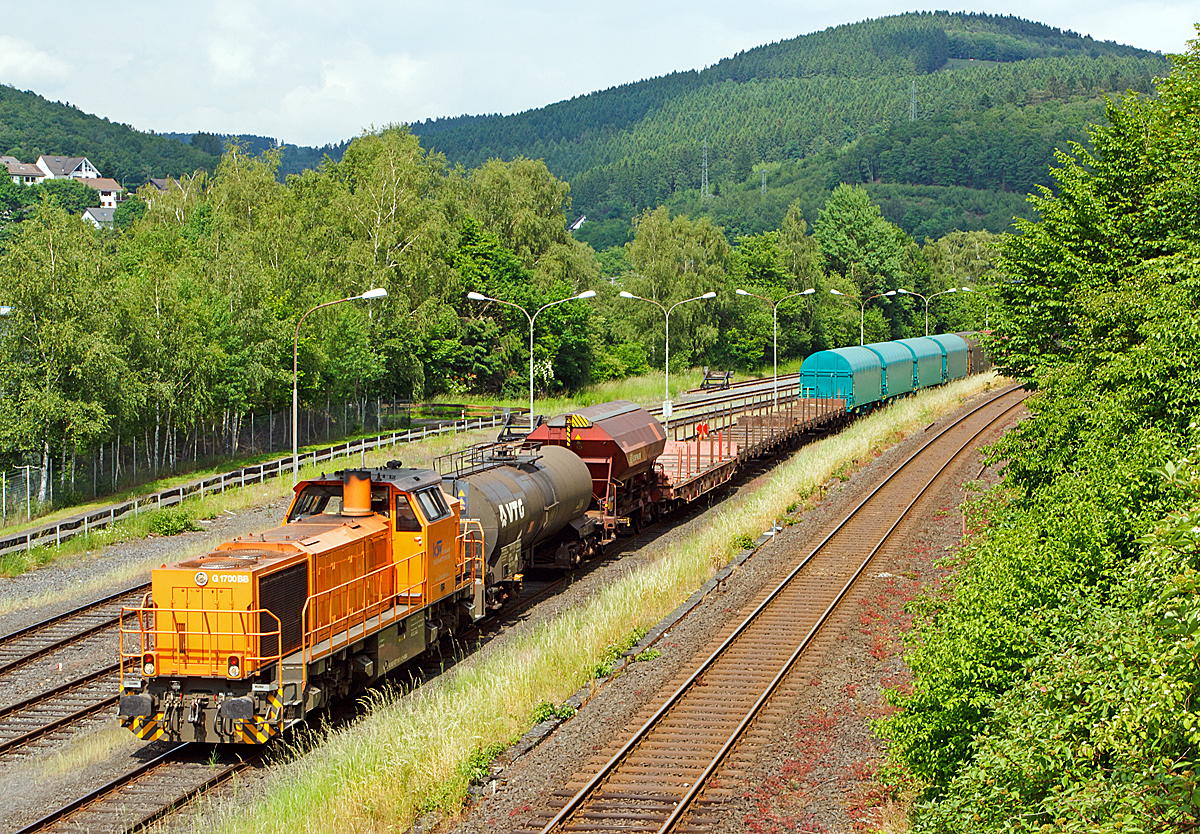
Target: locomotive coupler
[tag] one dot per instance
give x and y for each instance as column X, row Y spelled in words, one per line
column 172, row 712
column 196, row 710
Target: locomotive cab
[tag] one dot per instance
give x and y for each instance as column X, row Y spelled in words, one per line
column 369, row 568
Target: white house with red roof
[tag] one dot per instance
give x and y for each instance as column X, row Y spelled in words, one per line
column 110, row 190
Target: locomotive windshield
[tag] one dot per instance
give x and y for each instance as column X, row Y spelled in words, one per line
column 326, row 499
column 406, row 519
column 433, row 505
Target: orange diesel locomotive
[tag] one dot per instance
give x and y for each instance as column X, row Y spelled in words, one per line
column 369, row 569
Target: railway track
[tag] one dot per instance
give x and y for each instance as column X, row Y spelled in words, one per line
column 655, row 779
column 145, row 794
column 42, row 716
column 58, row 632
column 756, row 384
column 47, row 713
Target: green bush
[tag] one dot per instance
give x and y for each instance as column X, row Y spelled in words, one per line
column 546, row 710
column 171, row 521
column 1055, row 679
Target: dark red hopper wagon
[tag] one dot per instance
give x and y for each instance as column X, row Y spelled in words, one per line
column 619, row 441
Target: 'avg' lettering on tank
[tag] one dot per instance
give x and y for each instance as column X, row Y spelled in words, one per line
column 512, row 512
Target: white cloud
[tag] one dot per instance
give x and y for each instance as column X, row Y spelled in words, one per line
column 23, row 63
column 354, row 90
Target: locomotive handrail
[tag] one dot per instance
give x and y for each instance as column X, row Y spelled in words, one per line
column 468, row 527
column 149, row 627
column 337, row 631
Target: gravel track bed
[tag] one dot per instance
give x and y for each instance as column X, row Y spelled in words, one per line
column 36, row 779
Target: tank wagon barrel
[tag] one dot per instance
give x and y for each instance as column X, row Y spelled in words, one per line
column 523, row 499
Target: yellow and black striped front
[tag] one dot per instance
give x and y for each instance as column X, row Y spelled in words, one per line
column 258, row 729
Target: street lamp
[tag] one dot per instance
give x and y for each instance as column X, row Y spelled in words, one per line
column 667, row 344
column 5, row 312
column 862, row 311
column 775, row 318
column 930, row 298
column 475, row 296
column 378, row 292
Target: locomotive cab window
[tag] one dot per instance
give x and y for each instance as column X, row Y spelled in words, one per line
column 326, row 499
column 406, row 519
column 317, row 499
column 379, row 501
column 433, row 505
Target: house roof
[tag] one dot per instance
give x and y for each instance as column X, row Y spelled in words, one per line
column 18, row 168
column 162, row 183
column 63, row 166
column 99, row 215
column 104, row 184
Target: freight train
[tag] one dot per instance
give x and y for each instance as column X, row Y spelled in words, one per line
column 374, row 567
column 371, row 569
column 870, row 375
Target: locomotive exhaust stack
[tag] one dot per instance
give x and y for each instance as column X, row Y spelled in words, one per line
column 356, row 493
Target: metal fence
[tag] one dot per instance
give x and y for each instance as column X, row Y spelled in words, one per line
column 59, row 531
column 424, row 420
column 124, row 462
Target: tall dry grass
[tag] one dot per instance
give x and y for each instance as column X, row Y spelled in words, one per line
column 417, row 754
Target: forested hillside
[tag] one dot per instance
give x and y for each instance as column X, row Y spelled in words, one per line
column 31, row 126
column 293, row 159
column 948, row 120
column 925, row 100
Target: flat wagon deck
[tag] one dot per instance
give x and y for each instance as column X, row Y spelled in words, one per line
column 689, row 468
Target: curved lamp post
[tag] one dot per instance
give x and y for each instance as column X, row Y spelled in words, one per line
column 985, row 306
column 378, row 292
column 667, row 344
column 475, row 296
column 775, row 319
column 930, row 298
column 862, row 308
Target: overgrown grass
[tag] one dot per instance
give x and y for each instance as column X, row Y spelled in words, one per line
column 85, row 750
column 417, row 754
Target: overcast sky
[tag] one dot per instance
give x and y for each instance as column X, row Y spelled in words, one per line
column 310, row 73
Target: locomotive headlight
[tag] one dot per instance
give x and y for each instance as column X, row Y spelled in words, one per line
column 235, row 666
column 148, row 666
